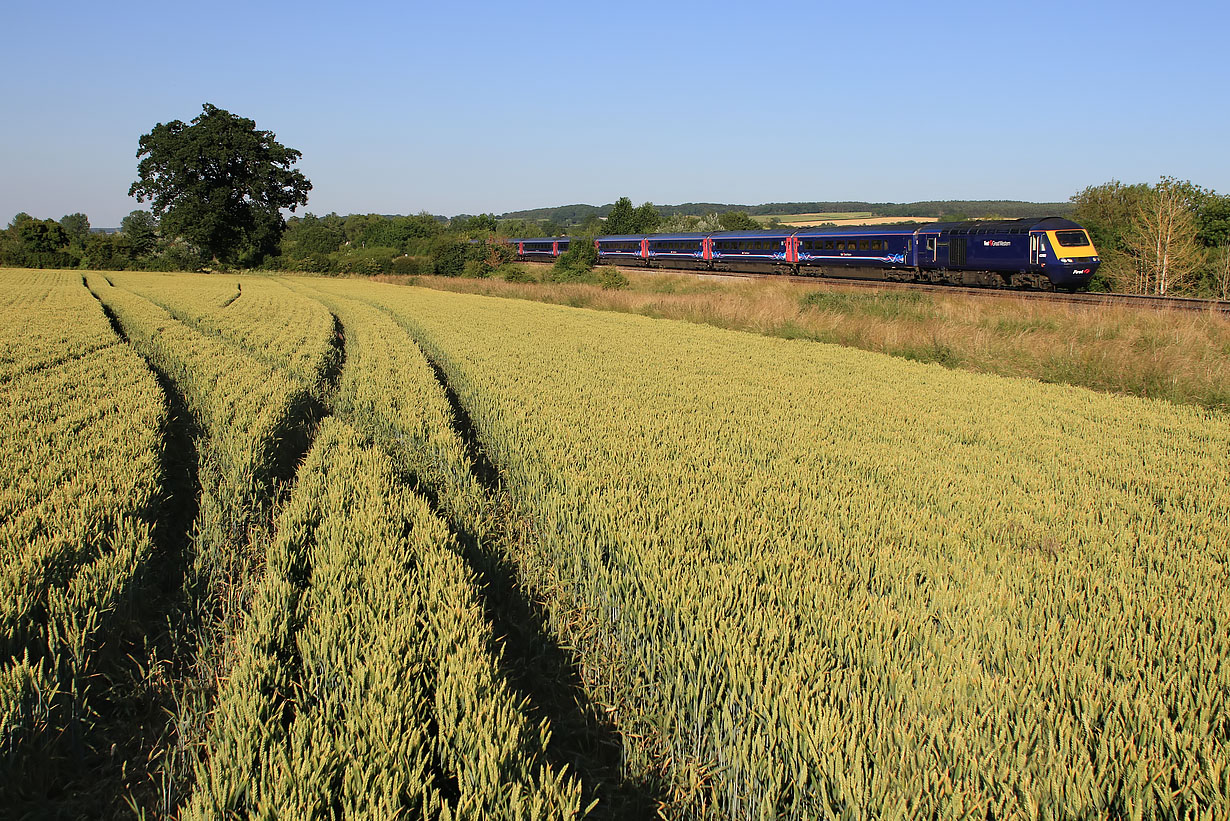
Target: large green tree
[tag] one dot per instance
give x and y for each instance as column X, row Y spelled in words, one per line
column 77, row 226
column 140, row 229
column 219, row 183
column 738, row 221
column 624, row 219
column 621, row 219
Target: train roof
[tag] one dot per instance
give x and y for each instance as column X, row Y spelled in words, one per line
column 879, row 230
column 1017, row 226
column 697, row 235
column 777, row 234
column 540, row 239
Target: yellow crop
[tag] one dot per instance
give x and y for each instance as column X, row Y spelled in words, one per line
column 831, row 582
column 369, row 688
column 80, row 425
column 805, row 581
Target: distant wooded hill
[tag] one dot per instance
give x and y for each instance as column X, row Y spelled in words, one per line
column 966, row 209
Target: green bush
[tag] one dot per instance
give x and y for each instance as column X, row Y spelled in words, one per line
column 516, row 273
column 314, row 263
column 107, row 252
column 376, row 259
column 448, row 257
column 484, row 258
column 178, row 257
column 409, row 266
column 611, row 279
column 577, row 263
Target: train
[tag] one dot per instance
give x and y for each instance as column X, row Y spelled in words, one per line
column 1043, row 253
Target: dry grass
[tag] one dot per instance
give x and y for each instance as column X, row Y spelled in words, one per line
column 1178, row 356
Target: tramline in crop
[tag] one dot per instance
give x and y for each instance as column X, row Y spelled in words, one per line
column 80, row 428
column 385, row 643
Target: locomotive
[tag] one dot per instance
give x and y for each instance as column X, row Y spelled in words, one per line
column 1045, row 253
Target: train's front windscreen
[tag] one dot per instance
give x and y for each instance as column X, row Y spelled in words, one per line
column 1072, row 239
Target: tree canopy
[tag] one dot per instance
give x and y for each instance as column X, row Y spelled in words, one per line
column 219, row 183
column 624, row 219
column 1156, row 238
column 140, row 228
column 77, row 226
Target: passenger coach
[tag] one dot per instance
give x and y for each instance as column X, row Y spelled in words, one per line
column 541, row 248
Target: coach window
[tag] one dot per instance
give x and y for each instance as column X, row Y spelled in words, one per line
column 863, row 245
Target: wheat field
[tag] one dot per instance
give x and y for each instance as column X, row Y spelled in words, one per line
column 320, row 548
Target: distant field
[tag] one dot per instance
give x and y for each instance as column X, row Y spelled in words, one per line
column 839, row 218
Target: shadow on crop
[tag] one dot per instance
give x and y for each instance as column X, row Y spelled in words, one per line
column 128, row 754
column 533, row 662
column 109, row 754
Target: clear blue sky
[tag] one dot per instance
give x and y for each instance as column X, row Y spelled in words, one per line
column 495, row 106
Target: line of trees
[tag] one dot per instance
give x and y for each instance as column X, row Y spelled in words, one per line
column 1169, row 237
column 70, row 243
column 1172, row 236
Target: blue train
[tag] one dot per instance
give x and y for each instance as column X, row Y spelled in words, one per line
column 1044, row 253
